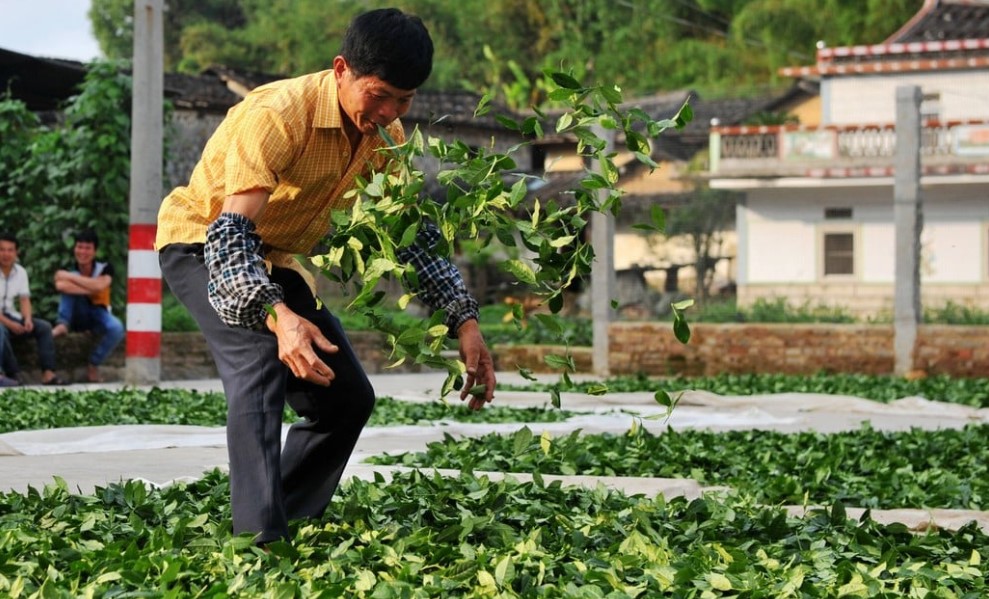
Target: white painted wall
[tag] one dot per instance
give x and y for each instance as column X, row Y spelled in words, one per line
column 768, row 264
column 877, row 255
column 782, row 233
column 949, row 253
column 783, row 228
column 872, row 98
column 956, row 220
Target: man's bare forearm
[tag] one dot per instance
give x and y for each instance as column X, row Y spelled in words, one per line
column 76, row 284
column 71, row 288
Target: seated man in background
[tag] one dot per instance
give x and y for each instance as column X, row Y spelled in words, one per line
column 6, row 358
column 17, row 319
column 85, row 301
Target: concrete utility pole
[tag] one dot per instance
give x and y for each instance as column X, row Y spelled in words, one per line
column 602, row 272
column 143, row 273
column 908, row 218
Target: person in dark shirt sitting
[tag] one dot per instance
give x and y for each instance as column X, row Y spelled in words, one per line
column 85, row 301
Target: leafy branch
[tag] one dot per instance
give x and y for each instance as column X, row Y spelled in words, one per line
column 488, row 198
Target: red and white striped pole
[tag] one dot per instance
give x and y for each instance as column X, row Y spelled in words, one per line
column 143, row 273
column 143, row 306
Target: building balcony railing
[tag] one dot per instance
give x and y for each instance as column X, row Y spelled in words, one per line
column 846, row 150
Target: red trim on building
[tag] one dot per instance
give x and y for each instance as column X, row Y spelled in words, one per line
column 765, row 129
column 143, row 344
column 826, row 55
column 888, row 171
column 898, row 66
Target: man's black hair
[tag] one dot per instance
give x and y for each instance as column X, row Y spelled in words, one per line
column 391, row 45
column 8, row 236
column 88, row 236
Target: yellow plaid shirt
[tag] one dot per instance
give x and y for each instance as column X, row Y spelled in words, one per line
column 286, row 137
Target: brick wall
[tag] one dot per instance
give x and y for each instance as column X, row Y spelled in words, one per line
column 638, row 347
column 184, row 356
column 651, row 348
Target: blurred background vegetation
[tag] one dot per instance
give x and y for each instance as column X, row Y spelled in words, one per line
column 712, row 46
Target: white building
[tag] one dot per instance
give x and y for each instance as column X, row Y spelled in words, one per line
column 816, row 224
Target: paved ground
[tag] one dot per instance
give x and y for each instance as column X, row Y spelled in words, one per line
column 95, row 456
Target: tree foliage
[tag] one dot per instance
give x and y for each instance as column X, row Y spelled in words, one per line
column 113, row 24
column 644, row 46
column 57, row 180
column 704, row 219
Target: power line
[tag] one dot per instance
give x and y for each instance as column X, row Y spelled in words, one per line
column 713, row 30
column 693, row 6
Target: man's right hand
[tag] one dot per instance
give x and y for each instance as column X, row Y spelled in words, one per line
column 13, row 326
column 296, row 338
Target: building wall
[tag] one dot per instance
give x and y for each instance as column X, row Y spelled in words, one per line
column 650, row 348
column 186, row 137
column 954, row 255
column 635, row 347
column 184, row 356
column 808, row 112
column 872, row 98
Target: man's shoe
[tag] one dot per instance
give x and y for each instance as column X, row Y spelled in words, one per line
column 6, row 381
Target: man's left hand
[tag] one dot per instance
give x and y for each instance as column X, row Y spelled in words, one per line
column 480, row 365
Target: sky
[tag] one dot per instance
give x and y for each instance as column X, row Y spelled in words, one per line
column 49, row 28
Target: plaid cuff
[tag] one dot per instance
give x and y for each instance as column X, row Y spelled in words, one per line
column 239, row 287
column 441, row 286
column 460, row 311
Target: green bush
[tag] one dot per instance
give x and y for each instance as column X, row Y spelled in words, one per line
column 717, row 311
column 780, row 310
column 776, row 310
column 498, row 328
column 75, row 175
column 954, row 313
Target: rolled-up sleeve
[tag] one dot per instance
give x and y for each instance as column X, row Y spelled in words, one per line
column 239, row 287
column 441, row 286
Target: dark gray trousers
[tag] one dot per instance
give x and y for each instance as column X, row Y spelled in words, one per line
column 269, row 485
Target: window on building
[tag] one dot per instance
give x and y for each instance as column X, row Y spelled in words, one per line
column 930, row 106
column 839, row 254
column 837, row 213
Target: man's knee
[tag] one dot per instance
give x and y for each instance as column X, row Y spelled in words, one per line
column 367, row 400
column 363, row 403
column 115, row 327
column 340, row 401
column 42, row 328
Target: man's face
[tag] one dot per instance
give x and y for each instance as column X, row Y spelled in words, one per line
column 369, row 101
column 85, row 252
column 8, row 253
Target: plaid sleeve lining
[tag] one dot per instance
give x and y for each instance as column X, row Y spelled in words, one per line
column 239, row 287
column 441, row 286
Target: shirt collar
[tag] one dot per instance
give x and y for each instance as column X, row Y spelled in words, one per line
column 328, row 103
